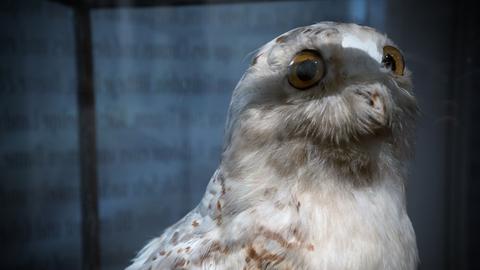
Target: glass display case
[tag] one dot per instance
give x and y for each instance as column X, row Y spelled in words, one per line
column 112, row 117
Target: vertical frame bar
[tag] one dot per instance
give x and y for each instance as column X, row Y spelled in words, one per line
column 463, row 96
column 87, row 141
column 459, row 139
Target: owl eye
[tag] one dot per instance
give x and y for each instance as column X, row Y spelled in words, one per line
column 393, row 60
column 306, row 69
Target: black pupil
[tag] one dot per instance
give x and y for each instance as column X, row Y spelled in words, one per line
column 389, row 62
column 307, row 70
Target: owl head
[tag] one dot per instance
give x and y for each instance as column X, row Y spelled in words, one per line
column 332, row 85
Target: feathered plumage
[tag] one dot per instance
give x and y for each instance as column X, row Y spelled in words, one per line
column 313, row 169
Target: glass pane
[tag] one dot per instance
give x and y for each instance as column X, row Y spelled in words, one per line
column 163, row 80
column 39, row 191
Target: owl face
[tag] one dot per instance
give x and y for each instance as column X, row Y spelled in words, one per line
column 330, row 83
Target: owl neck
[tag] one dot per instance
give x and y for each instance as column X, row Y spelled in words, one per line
column 297, row 159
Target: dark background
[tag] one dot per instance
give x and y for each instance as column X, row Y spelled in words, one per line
column 126, row 100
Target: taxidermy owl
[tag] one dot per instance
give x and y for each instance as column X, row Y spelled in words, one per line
column 313, row 168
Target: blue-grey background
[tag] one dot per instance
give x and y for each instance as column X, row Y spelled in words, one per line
column 163, row 77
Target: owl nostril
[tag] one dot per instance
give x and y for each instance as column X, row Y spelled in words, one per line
column 376, row 102
column 372, row 98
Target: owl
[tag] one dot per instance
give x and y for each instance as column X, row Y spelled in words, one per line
column 312, row 176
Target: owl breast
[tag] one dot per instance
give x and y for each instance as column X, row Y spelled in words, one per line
column 334, row 228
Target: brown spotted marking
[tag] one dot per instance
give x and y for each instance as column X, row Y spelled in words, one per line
column 195, row 223
column 222, row 184
column 174, row 239
column 281, row 39
column 214, row 247
column 311, row 247
column 162, row 253
column 255, row 59
column 263, row 257
column 297, row 234
column 180, row 263
column 277, row 237
column 218, row 220
column 252, row 254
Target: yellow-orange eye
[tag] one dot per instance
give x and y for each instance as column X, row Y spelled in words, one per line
column 393, row 60
column 306, row 69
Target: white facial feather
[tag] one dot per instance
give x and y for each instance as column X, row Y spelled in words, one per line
column 370, row 47
column 311, row 178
